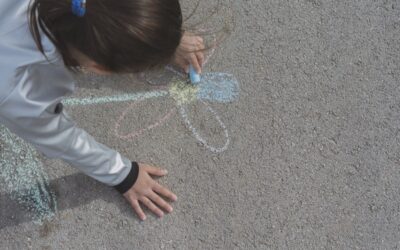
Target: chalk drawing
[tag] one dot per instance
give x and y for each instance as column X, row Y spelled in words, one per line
column 198, row 136
column 23, row 175
column 183, row 93
column 215, row 87
column 115, row 98
column 141, row 131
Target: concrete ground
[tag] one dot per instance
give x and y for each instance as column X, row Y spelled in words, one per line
column 313, row 160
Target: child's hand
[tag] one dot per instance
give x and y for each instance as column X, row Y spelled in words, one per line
column 189, row 52
column 148, row 191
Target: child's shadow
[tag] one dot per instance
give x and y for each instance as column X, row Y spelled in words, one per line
column 71, row 191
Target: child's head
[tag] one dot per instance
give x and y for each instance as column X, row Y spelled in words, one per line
column 116, row 35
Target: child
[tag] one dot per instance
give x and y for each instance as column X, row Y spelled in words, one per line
column 43, row 41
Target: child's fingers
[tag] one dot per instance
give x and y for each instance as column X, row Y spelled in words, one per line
column 138, row 209
column 164, row 192
column 195, row 63
column 183, row 64
column 200, row 57
column 152, row 207
column 200, row 52
column 155, row 171
column 160, row 202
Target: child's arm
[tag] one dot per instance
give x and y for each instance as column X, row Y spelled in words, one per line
column 33, row 111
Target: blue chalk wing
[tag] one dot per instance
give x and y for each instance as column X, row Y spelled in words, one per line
column 218, row 87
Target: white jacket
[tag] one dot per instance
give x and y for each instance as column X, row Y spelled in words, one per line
column 30, row 100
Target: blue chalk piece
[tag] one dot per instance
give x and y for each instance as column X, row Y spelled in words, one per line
column 194, row 77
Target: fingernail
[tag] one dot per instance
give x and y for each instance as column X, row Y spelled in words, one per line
column 144, row 218
column 165, row 171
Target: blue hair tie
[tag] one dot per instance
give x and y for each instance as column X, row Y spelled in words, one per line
column 79, row 7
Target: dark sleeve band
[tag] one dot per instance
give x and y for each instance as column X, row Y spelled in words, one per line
column 130, row 180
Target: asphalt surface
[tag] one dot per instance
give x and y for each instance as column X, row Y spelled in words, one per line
column 313, row 155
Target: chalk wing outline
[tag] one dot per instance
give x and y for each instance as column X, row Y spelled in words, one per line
column 217, row 87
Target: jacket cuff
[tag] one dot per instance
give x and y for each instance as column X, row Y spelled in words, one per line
column 129, row 180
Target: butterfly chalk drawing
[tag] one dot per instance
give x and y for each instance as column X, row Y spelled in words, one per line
column 214, row 87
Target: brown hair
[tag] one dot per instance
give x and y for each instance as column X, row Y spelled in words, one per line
column 122, row 35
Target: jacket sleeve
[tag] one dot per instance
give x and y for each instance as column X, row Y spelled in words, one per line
column 33, row 110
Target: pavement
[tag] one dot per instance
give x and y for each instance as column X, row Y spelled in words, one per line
column 304, row 155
